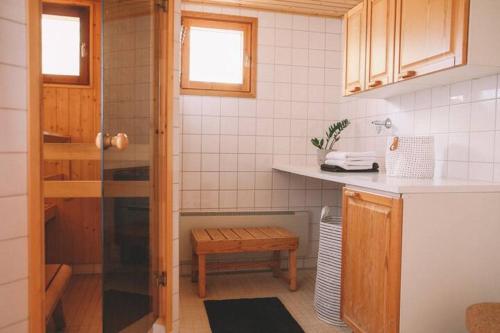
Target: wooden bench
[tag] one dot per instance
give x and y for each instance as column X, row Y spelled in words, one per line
column 242, row 240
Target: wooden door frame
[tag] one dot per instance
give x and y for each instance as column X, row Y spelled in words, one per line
column 36, row 236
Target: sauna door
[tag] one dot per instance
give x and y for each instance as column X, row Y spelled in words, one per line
column 127, row 142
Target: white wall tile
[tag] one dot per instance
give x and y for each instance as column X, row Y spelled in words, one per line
column 229, row 125
column 210, row 125
column 13, row 171
column 284, row 37
column 484, row 88
column 228, row 199
column 13, row 302
column 14, row 259
column 14, row 217
column 482, row 146
column 283, row 21
column 461, row 92
column 460, row 117
column 210, row 143
column 12, row 34
column 13, row 134
column 12, row 87
column 483, row 115
column 300, row 22
column 210, row 162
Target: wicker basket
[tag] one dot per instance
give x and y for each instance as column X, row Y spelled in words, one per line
column 410, row 156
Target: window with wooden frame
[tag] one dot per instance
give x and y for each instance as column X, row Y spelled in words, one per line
column 66, row 43
column 219, row 55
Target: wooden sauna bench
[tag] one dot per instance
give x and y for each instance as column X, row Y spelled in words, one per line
column 243, row 240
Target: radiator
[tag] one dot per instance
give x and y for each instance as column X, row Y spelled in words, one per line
column 297, row 222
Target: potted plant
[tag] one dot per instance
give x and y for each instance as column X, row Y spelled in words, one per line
column 332, row 136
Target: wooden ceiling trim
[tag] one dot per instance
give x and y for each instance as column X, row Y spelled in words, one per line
column 327, row 8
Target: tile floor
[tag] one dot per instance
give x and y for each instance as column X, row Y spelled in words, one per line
column 249, row 285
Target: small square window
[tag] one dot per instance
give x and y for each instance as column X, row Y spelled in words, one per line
column 219, row 55
column 65, row 44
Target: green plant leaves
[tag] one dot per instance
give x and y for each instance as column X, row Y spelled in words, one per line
column 332, row 135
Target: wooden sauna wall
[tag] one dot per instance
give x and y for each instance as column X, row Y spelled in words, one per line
column 75, row 236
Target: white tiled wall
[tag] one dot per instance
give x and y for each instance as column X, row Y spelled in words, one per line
column 464, row 119
column 13, row 173
column 230, row 144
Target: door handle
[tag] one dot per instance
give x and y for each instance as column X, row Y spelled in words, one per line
column 119, row 141
column 355, row 89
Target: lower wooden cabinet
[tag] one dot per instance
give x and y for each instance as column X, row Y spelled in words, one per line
column 371, row 262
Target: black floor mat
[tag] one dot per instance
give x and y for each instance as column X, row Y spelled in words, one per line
column 122, row 309
column 253, row 315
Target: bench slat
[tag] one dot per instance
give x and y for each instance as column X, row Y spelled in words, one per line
column 272, row 232
column 242, row 233
column 284, row 232
column 256, row 233
column 200, row 235
column 215, row 234
column 229, row 234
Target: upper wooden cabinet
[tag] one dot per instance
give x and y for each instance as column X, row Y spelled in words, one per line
column 380, row 42
column 355, row 44
column 430, row 36
column 388, row 41
column 371, row 262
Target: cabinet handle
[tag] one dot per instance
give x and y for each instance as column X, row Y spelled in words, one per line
column 407, row 75
column 355, row 89
column 375, row 83
column 352, row 194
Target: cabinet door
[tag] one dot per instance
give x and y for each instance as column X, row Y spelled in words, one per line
column 371, row 262
column 380, row 42
column 354, row 46
column 430, row 36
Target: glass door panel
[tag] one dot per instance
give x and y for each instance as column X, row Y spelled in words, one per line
column 129, row 120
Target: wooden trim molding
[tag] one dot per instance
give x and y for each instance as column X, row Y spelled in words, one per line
column 165, row 165
column 247, row 25
column 326, row 8
column 36, row 246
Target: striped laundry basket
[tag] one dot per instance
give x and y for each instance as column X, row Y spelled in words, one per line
column 327, row 289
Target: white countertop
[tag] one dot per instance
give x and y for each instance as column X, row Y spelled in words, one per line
column 381, row 182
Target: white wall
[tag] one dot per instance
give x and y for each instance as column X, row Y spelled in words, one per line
column 464, row 119
column 227, row 145
column 13, row 173
column 230, row 144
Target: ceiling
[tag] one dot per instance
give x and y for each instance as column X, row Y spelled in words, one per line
column 330, row 8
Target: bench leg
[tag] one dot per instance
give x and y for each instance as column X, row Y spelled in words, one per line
column 194, row 267
column 292, row 269
column 202, row 275
column 277, row 264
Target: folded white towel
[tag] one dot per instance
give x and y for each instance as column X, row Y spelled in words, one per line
column 355, row 159
column 347, row 166
column 339, row 155
column 366, row 162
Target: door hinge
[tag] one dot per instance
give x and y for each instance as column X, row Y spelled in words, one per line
column 161, row 279
column 162, row 5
